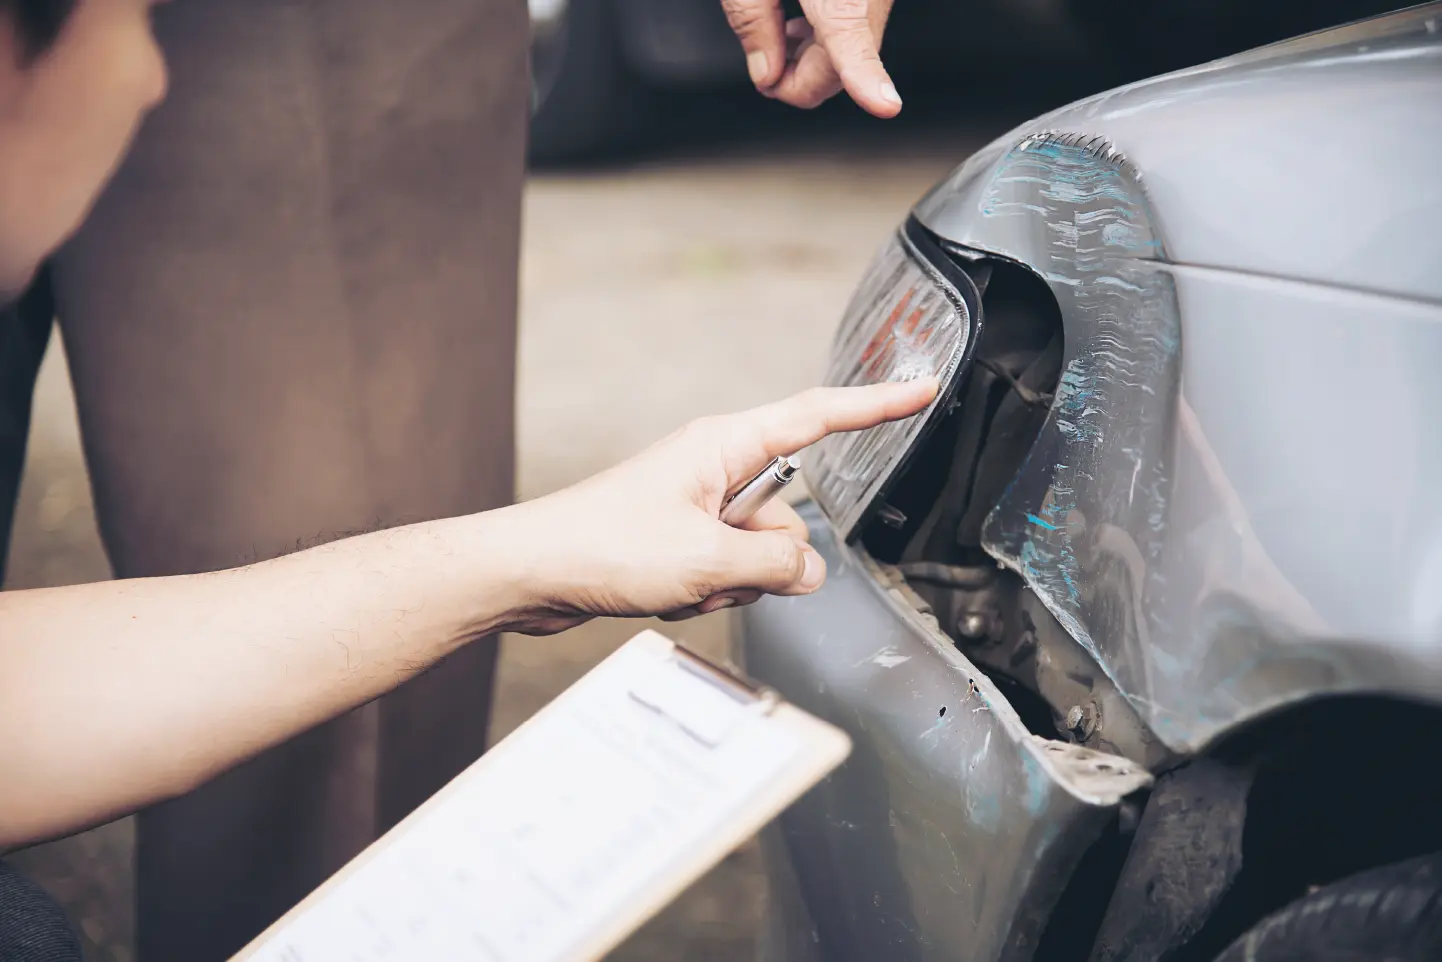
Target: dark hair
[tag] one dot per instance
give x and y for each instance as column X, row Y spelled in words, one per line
column 37, row 22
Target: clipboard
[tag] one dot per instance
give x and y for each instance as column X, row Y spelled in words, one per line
column 575, row 829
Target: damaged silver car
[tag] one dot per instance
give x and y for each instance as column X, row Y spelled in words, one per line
column 1138, row 631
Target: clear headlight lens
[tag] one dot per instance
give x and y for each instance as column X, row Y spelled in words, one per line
column 906, row 320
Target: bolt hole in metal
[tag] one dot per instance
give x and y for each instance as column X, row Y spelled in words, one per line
column 974, row 626
column 1081, row 721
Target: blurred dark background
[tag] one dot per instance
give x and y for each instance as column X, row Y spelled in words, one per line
column 605, row 73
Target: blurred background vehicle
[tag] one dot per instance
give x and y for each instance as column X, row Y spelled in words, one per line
column 601, row 68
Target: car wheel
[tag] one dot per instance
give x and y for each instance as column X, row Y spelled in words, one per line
column 583, row 99
column 1390, row 914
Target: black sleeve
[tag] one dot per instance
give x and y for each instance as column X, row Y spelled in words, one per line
column 24, row 332
column 33, row 928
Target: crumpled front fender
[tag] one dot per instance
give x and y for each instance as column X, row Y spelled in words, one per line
column 950, row 831
column 1227, row 506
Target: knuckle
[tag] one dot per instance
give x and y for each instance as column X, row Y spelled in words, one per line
column 699, row 429
column 845, row 11
column 815, row 398
column 781, row 556
column 818, row 402
column 704, row 585
column 745, row 16
column 711, row 567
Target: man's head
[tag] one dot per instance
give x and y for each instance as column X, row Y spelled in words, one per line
column 76, row 77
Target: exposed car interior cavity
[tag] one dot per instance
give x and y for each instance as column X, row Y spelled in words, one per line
column 970, row 458
column 930, row 529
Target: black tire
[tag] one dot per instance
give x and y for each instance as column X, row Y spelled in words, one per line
column 1389, row 914
column 585, row 100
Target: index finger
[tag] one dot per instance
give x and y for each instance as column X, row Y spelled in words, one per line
column 845, row 29
column 785, row 427
column 810, row 79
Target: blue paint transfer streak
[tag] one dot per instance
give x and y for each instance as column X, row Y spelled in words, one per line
column 1038, row 785
column 1047, row 553
column 1097, row 250
column 983, row 805
column 936, row 729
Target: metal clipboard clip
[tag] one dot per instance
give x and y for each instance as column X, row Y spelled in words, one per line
column 708, row 712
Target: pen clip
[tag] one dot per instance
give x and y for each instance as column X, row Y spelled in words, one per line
column 735, row 685
column 706, row 718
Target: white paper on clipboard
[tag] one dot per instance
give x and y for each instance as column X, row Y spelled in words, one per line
column 577, row 828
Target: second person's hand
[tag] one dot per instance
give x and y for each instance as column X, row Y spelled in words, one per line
column 643, row 538
column 808, row 60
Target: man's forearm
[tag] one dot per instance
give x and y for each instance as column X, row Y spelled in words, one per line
column 119, row 694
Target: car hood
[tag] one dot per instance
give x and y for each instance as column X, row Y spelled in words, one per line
column 1315, row 159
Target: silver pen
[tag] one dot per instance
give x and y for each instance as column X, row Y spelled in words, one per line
column 739, row 508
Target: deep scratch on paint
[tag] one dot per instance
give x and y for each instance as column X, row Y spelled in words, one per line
column 1102, row 455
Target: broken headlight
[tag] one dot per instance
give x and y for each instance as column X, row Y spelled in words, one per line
column 913, row 315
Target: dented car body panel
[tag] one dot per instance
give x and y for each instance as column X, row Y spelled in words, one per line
column 951, row 828
column 1213, row 456
column 1228, row 506
column 1313, row 159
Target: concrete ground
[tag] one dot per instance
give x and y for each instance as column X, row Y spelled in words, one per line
column 705, row 279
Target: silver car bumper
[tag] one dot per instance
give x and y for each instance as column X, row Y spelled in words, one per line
column 951, row 830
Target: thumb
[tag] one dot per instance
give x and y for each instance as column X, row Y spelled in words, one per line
column 758, row 24
column 772, row 561
column 844, row 30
